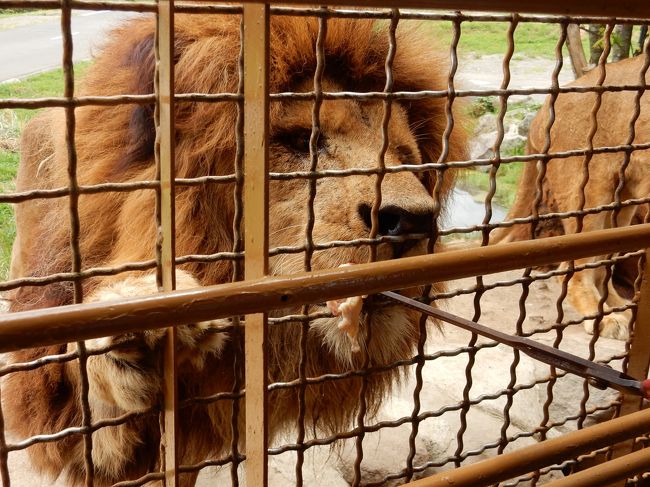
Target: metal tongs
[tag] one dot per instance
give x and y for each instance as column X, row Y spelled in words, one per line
column 600, row 376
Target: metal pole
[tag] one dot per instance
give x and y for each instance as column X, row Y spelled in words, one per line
column 256, row 123
column 92, row 320
column 165, row 246
column 639, row 358
column 604, row 474
column 525, row 460
column 623, row 8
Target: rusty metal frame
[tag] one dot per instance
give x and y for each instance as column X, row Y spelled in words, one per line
column 524, row 460
column 256, row 205
column 60, row 325
column 258, row 294
column 165, row 218
column 627, row 9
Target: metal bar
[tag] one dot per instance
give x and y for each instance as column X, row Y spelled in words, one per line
column 605, row 376
column 604, row 474
column 525, row 460
column 625, row 8
column 596, row 16
column 639, row 355
column 641, row 350
column 116, row 100
column 542, row 166
column 365, row 337
column 256, row 235
column 503, row 107
column 237, row 266
column 67, row 323
column 4, row 460
column 314, row 139
column 75, row 251
column 586, row 392
column 165, row 220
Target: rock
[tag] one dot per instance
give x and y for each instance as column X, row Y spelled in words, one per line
column 524, row 125
column 513, row 143
column 481, row 146
column 486, row 123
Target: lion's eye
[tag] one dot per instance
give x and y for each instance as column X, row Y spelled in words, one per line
column 298, row 140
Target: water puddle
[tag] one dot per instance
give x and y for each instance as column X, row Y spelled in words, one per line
column 465, row 211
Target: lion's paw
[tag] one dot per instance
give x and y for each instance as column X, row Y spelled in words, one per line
column 200, row 340
column 195, row 341
column 614, row 325
column 128, row 375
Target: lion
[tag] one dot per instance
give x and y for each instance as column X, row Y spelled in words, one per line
column 116, row 144
column 561, row 186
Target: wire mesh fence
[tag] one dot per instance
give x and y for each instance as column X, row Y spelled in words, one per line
column 210, row 146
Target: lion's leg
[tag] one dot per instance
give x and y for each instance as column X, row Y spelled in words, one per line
column 585, row 289
column 585, row 293
column 128, row 379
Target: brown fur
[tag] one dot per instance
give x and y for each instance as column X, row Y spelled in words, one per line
column 561, row 186
column 116, row 144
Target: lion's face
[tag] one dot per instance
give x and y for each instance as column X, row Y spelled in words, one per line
column 350, row 138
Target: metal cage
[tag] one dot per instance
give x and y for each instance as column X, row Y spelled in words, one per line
column 615, row 447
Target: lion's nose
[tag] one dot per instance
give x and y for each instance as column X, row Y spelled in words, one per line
column 396, row 220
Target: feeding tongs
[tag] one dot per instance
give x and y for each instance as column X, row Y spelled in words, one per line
column 599, row 375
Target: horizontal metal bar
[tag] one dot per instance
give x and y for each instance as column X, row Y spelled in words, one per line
column 624, row 13
column 116, row 100
column 603, row 375
column 600, row 8
column 128, row 6
column 436, row 15
column 80, row 322
column 525, row 460
column 603, row 475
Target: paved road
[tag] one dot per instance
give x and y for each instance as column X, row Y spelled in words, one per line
column 29, row 49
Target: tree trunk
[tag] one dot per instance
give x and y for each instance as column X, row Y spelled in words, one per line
column 643, row 33
column 596, row 32
column 576, row 52
column 622, row 41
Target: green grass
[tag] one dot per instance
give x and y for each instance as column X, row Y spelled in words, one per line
column 477, row 183
column 11, row 125
column 482, row 38
column 11, row 12
column 531, row 39
column 42, row 84
column 8, row 166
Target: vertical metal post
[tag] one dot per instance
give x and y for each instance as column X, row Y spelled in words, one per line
column 256, row 125
column 640, row 351
column 166, row 242
column 639, row 354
